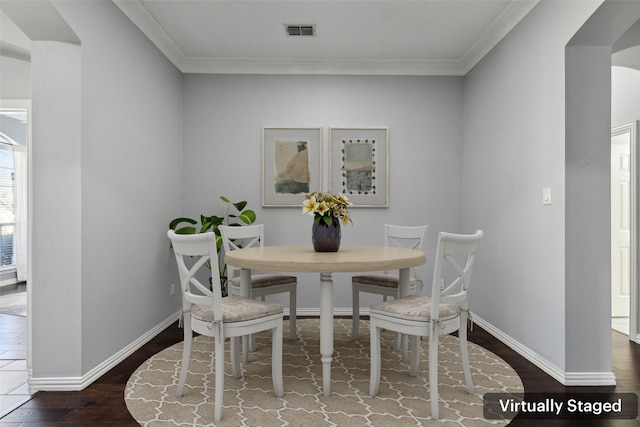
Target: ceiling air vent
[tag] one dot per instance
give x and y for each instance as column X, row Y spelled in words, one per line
column 300, row 30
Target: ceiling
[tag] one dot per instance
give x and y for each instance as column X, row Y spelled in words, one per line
column 390, row 37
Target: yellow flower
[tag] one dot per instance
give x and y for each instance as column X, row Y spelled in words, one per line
column 322, row 208
column 309, row 206
column 325, row 205
column 343, row 199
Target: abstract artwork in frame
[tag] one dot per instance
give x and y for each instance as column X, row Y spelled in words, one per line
column 291, row 160
column 359, row 165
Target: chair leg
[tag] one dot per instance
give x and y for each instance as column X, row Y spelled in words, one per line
column 400, row 342
column 245, row 348
column 396, row 341
column 276, row 360
column 186, row 353
column 219, row 377
column 404, row 347
column 415, row 355
column 252, row 337
column 235, row 357
column 433, row 372
column 293, row 306
column 374, row 379
column 462, row 336
column 355, row 330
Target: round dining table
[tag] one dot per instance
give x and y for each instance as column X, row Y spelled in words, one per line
column 303, row 259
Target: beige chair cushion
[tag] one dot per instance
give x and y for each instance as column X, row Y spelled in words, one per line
column 265, row 280
column 237, row 309
column 415, row 307
column 386, row 280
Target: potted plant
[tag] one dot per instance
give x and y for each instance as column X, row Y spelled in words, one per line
column 235, row 217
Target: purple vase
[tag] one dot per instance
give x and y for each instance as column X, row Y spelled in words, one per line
column 326, row 238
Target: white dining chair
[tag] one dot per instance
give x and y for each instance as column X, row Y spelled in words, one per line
column 446, row 311
column 249, row 236
column 207, row 312
column 387, row 284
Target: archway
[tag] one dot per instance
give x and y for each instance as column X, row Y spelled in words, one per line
column 55, row 215
column 587, row 173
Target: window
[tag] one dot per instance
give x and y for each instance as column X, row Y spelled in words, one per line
column 7, row 205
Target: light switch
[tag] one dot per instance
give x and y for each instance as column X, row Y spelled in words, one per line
column 546, row 196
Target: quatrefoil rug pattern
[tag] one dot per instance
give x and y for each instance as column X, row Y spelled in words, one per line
column 249, row 401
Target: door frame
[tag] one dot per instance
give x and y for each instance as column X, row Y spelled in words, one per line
column 632, row 129
column 26, row 104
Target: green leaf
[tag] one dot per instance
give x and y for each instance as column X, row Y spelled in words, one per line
column 327, row 220
column 240, row 205
column 224, row 199
column 186, row 230
column 173, row 224
column 248, row 216
column 214, row 220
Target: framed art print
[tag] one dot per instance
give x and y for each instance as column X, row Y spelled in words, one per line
column 291, row 165
column 359, row 165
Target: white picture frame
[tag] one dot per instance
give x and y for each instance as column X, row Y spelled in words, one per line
column 291, row 164
column 359, row 165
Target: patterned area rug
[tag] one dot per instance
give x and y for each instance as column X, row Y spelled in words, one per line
column 249, row 401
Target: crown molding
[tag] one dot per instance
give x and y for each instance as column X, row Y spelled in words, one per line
column 141, row 18
column 504, row 23
column 138, row 14
column 316, row 66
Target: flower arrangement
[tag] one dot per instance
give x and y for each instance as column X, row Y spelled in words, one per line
column 326, row 206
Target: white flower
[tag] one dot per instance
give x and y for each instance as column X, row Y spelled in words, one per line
column 309, row 206
column 322, row 208
column 327, row 205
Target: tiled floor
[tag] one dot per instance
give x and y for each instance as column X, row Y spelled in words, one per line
column 13, row 366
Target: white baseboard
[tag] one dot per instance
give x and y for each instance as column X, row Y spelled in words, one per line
column 589, row 378
column 564, row 378
column 80, row 383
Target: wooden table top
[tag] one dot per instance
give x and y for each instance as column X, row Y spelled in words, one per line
column 302, row 258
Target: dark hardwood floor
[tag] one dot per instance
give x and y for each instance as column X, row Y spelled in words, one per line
column 102, row 403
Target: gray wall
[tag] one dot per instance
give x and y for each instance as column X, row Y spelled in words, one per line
column 224, row 117
column 15, row 71
column 514, row 147
column 465, row 153
column 56, row 279
column 625, row 95
column 125, row 174
column 547, row 266
column 15, row 78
